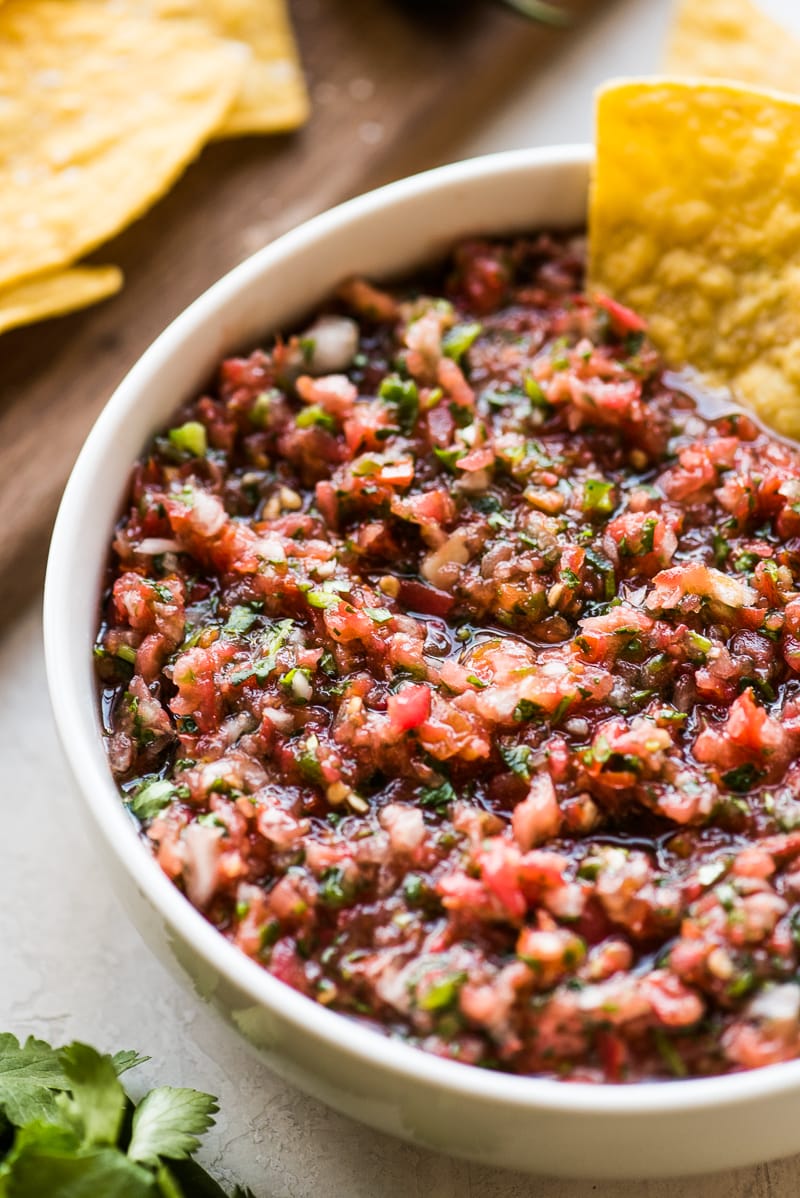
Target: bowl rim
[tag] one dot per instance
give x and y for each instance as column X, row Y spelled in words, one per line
column 80, row 742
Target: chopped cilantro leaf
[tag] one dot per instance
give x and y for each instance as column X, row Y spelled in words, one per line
column 604, row 567
column 743, row 777
column 498, row 520
column 403, row 396
column 721, row 549
column 517, row 758
column 525, row 710
column 149, row 799
column 648, row 534
column 328, row 665
column 275, row 639
column 335, row 890
column 746, row 562
column 241, row 619
column 437, row 797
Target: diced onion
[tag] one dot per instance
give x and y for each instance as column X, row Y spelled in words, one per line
column 152, row 546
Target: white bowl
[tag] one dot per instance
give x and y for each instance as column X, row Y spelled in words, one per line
column 525, row 1123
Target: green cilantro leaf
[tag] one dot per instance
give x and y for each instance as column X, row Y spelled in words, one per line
column 30, row 1074
column 517, row 759
column 149, row 799
column 127, row 1058
column 37, row 1137
column 168, row 1122
column 403, row 395
column 526, row 710
column 335, row 889
column 743, row 777
column 59, row 1173
column 241, row 619
column 437, row 797
column 97, row 1096
column 69, row 1130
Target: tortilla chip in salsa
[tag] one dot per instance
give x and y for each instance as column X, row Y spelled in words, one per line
column 695, row 223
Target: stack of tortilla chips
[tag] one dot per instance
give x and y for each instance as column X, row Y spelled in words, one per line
column 735, row 39
column 103, row 104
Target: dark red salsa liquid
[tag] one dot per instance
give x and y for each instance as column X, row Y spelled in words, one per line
column 450, row 663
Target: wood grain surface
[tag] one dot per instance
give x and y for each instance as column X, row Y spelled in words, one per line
column 392, row 84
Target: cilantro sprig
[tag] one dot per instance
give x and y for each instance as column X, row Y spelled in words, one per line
column 68, row 1129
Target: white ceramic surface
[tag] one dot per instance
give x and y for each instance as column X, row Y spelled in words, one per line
column 574, row 1130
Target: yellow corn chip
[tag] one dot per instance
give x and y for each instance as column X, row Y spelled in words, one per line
column 272, row 96
column 695, row 223
column 733, row 39
column 56, row 293
column 102, row 111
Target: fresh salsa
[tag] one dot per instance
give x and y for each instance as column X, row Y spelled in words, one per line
column 450, row 665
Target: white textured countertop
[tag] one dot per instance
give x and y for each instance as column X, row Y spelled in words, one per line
column 74, row 967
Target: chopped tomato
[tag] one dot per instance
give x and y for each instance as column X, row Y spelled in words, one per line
column 450, row 660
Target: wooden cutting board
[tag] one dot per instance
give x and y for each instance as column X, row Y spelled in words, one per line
column 393, row 85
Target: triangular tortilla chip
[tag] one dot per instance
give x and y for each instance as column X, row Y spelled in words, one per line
column 272, row 97
column 55, row 294
column 102, row 111
column 695, row 223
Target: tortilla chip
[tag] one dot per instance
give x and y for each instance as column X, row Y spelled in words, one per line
column 733, row 39
column 57, row 293
column 695, row 223
column 272, row 97
column 100, row 117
